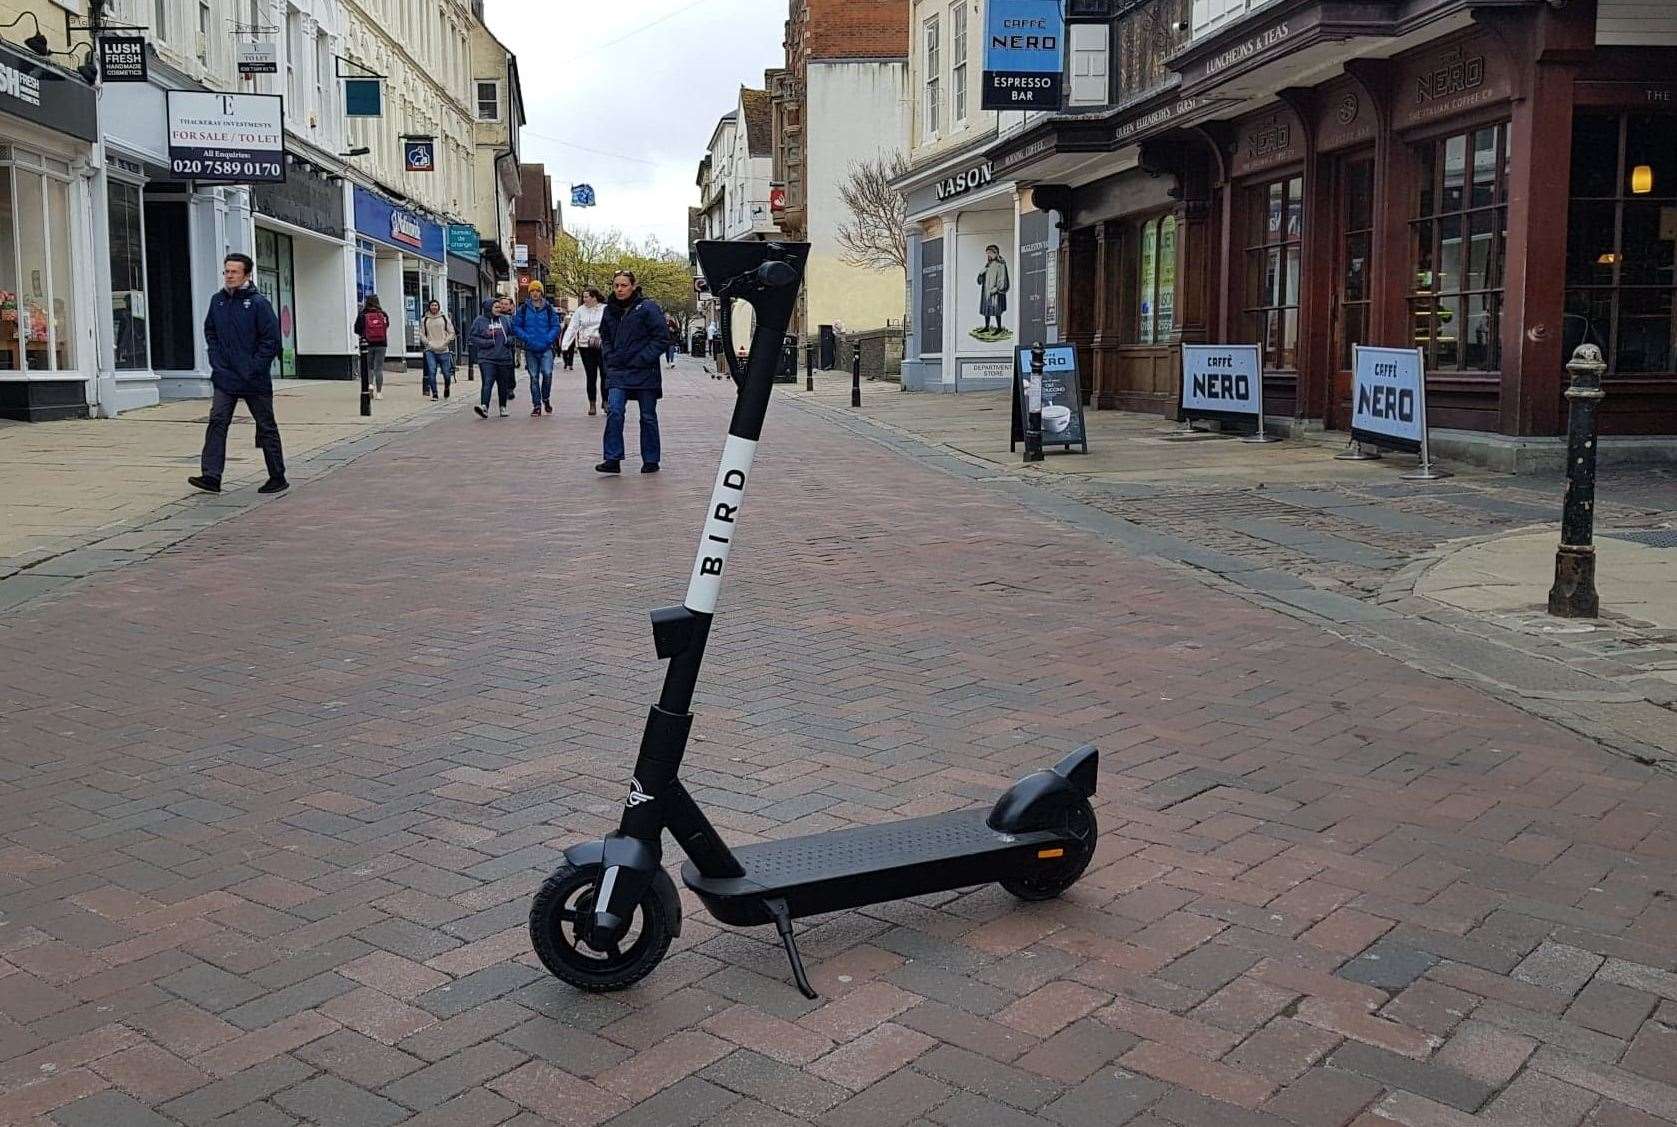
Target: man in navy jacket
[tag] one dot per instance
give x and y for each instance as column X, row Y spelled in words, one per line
column 243, row 337
column 633, row 337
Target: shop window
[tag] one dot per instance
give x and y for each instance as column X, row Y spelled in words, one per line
column 1356, row 251
column 128, row 276
column 1274, row 231
column 10, row 358
column 1621, row 269
column 1156, row 281
column 1458, row 235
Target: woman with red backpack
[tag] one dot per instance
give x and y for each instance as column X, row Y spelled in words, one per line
column 372, row 325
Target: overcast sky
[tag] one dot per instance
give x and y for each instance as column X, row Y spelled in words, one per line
column 623, row 95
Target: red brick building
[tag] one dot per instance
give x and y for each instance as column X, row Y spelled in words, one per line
column 537, row 221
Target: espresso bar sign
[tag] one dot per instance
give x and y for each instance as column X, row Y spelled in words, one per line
column 1024, row 60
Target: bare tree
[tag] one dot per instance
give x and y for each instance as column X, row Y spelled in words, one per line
column 874, row 237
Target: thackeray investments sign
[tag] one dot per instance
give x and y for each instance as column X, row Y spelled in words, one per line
column 1024, row 59
column 226, row 138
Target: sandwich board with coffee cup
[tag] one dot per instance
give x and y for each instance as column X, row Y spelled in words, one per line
column 1224, row 382
column 1062, row 397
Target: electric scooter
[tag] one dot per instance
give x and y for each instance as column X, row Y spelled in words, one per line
column 606, row 916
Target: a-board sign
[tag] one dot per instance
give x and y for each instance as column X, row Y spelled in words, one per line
column 1222, row 381
column 1389, row 397
column 1062, row 397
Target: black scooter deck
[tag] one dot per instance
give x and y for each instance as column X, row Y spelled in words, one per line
column 829, row 872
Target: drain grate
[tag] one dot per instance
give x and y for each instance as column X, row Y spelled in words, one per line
column 1653, row 537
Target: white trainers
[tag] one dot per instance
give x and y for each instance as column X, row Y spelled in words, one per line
column 503, row 412
column 378, row 395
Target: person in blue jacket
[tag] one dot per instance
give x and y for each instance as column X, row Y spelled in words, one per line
column 537, row 328
column 491, row 336
column 243, row 337
column 633, row 337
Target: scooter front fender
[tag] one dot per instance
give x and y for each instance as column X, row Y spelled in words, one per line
column 594, row 853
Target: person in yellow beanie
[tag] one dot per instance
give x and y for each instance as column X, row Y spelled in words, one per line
column 537, row 327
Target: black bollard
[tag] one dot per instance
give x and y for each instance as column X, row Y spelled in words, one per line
column 1574, row 594
column 809, row 367
column 856, row 378
column 1033, row 405
column 366, row 384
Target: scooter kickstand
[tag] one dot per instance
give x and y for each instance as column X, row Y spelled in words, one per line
column 783, row 924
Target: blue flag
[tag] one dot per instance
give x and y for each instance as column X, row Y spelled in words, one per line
column 582, row 195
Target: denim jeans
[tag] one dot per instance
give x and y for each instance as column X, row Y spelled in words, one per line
column 616, row 400
column 433, row 361
column 497, row 377
column 540, row 366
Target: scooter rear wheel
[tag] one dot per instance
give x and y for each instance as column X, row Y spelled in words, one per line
column 561, row 920
column 1051, row 880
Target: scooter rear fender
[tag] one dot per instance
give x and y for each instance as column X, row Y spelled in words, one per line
column 1037, row 801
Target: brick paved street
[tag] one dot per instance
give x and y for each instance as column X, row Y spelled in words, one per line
column 273, row 802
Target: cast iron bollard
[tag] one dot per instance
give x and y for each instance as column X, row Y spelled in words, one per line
column 1033, row 405
column 1574, row 595
column 809, row 367
column 366, row 383
column 856, row 378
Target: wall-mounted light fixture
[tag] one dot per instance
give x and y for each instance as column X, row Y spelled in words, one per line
column 37, row 42
column 1641, row 180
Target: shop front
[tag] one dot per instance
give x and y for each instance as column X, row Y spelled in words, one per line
column 47, row 351
column 399, row 256
column 303, row 266
column 967, row 283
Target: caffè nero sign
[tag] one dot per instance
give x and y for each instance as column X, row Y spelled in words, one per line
column 965, row 181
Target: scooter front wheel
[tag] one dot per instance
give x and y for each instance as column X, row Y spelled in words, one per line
column 561, row 927
column 1051, row 880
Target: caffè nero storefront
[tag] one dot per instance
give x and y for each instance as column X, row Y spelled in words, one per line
column 1493, row 197
column 981, row 277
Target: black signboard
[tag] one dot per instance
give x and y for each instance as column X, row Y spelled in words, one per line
column 1062, row 398
column 1034, row 242
column 122, row 58
column 931, row 297
column 46, row 96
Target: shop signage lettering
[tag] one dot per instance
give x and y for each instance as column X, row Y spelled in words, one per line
column 404, row 228
column 1157, row 117
column 122, row 58
column 463, row 241
column 1454, row 74
column 1023, row 63
column 258, row 57
column 15, row 84
column 1029, row 153
column 962, row 182
column 1240, row 52
column 1269, row 138
column 1388, row 387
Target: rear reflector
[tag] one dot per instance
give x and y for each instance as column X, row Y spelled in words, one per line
column 1045, row 854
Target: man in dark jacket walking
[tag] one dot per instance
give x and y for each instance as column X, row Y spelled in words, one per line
column 633, row 337
column 491, row 336
column 244, row 337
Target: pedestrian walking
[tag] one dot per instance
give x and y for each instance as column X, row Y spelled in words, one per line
column 582, row 332
column 491, row 337
column 674, row 331
column 243, row 336
column 537, row 327
column 372, row 325
column 568, row 356
column 437, row 332
column 715, row 339
column 632, row 333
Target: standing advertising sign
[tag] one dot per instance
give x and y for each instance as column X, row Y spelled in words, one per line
column 226, row 138
column 1223, row 382
column 1024, row 62
column 1389, row 404
column 1062, row 397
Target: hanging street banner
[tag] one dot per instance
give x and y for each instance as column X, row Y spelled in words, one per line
column 419, row 154
column 1062, row 397
column 256, row 56
column 122, row 58
column 1024, row 59
column 1389, row 397
column 582, row 195
column 1222, row 381
column 521, row 254
column 363, row 97
column 226, row 138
